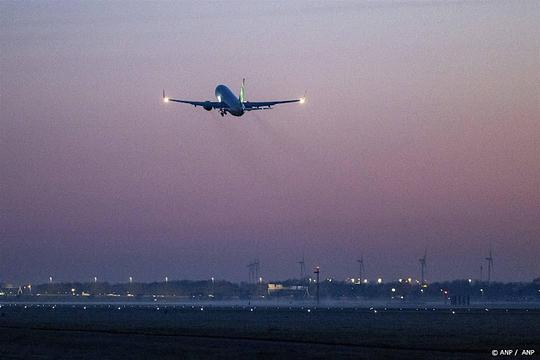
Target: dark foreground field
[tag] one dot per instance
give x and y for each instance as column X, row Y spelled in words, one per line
column 186, row 332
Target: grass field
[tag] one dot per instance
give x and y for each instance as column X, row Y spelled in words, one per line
column 121, row 331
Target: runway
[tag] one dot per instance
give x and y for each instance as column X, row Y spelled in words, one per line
column 67, row 332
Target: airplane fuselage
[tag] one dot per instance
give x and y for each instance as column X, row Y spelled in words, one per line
column 225, row 95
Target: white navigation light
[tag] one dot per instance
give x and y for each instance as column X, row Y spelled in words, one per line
column 166, row 99
column 302, row 100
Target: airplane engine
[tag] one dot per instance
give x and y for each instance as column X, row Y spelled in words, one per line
column 207, row 106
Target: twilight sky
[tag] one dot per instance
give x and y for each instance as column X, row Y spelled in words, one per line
column 422, row 129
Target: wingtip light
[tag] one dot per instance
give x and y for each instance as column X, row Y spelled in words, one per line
column 303, row 98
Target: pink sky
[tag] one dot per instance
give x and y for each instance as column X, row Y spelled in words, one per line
column 421, row 130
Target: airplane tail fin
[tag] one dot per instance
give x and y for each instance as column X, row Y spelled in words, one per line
column 242, row 96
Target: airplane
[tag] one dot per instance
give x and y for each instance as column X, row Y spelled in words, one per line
column 228, row 103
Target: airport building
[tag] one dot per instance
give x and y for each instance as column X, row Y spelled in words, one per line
column 295, row 291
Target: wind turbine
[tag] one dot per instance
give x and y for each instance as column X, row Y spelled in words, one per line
column 490, row 265
column 361, row 267
column 302, row 264
column 423, row 265
column 257, row 265
column 251, row 270
column 481, row 272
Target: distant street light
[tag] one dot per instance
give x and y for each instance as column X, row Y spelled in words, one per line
column 317, row 271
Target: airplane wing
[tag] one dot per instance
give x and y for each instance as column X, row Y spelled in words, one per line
column 264, row 105
column 213, row 104
column 205, row 104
